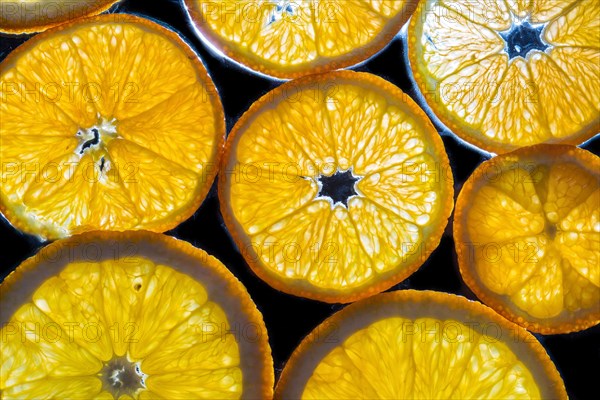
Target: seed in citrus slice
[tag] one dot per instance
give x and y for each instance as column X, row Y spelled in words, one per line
column 419, row 345
column 504, row 75
column 104, row 315
column 28, row 16
column 527, row 234
column 108, row 123
column 335, row 186
column 290, row 38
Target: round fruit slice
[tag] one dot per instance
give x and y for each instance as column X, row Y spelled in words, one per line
column 290, row 38
column 139, row 315
column 110, row 123
column 419, row 345
column 508, row 74
column 527, row 234
column 27, row 16
column 335, row 186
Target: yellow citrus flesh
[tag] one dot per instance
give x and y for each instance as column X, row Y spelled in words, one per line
column 95, row 137
column 419, row 345
column 289, row 38
column 27, row 16
column 140, row 315
column 280, row 159
column 504, row 75
column 527, row 232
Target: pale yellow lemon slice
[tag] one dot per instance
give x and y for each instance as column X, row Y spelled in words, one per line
column 419, row 345
column 134, row 315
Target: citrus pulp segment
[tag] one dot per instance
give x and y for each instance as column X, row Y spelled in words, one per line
column 104, row 315
column 419, row 345
column 28, row 16
column 108, row 123
column 290, row 38
column 527, row 234
column 504, row 75
column 335, row 186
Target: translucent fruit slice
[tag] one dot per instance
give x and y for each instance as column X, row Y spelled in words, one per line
column 289, row 38
column 504, row 75
column 108, row 123
column 335, row 186
column 138, row 315
column 28, row 16
column 527, row 234
column 419, row 345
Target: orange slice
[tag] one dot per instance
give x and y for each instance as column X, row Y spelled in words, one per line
column 133, row 315
column 527, row 233
column 28, row 16
column 335, row 186
column 508, row 74
column 110, row 123
column 419, row 345
column 290, row 38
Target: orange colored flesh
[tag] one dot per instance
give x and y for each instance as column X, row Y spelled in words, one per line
column 48, row 14
column 344, row 263
column 527, row 235
column 414, row 307
column 234, row 13
column 171, row 306
column 147, row 206
column 463, row 70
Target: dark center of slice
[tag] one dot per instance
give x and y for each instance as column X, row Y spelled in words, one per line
column 338, row 187
column 120, row 376
column 523, row 38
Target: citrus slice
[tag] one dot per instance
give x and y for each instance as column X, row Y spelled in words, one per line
column 28, row 16
column 508, row 74
column 527, row 234
column 335, row 186
column 419, row 345
column 127, row 315
column 109, row 123
column 290, row 38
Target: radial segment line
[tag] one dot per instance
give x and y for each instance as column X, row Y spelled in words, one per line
column 159, row 104
column 387, row 210
column 568, row 78
column 291, row 214
column 362, row 245
column 325, row 232
column 173, row 163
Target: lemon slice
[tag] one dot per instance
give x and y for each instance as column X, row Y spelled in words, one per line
column 289, row 38
column 508, row 74
column 109, row 123
column 335, row 186
column 28, row 16
column 130, row 315
column 527, row 234
column 419, row 345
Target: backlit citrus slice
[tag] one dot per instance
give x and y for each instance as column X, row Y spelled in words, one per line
column 110, row 123
column 289, row 38
column 419, row 345
column 137, row 315
column 527, row 233
column 335, row 186
column 508, row 74
column 27, row 16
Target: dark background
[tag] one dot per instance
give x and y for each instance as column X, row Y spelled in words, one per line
column 288, row 318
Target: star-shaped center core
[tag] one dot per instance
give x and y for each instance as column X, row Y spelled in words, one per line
column 338, row 187
column 523, row 38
